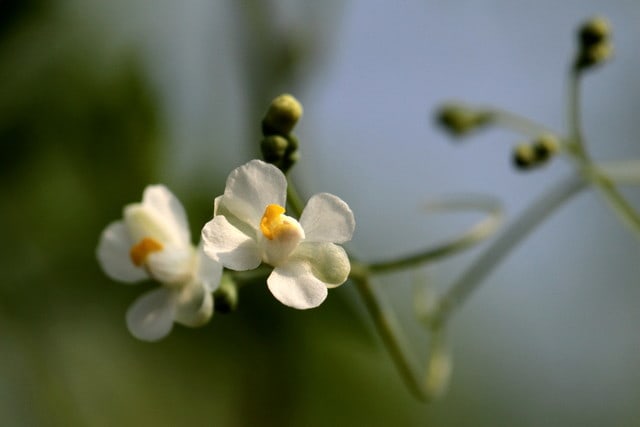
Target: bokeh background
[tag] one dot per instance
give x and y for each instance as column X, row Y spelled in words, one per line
column 99, row 99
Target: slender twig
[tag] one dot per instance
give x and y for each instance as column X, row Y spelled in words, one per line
column 574, row 116
column 622, row 172
column 510, row 237
column 474, row 235
column 517, row 123
column 391, row 333
column 623, row 209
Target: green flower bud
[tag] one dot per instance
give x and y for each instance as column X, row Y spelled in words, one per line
column 280, row 151
column 594, row 55
column 226, row 296
column 290, row 160
column 544, row 147
column 293, row 143
column 273, row 148
column 524, row 157
column 595, row 31
column 460, row 120
column 282, row 115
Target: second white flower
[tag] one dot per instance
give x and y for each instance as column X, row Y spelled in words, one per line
column 250, row 227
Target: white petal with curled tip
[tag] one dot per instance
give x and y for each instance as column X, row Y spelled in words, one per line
column 251, row 187
column 234, row 249
column 327, row 218
column 194, row 305
column 150, row 317
column 113, row 254
column 208, row 271
column 294, row 285
column 329, row 263
column 143, row 222
column 170, row 211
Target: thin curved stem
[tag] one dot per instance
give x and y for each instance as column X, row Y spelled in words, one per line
column 425, row 384
column 389, row 329
column 518, row 230
column 623, row 209
column 474, row 235
column 517, row 123
column 622, row 172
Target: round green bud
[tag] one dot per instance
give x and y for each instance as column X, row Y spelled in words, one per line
column 460, row 120
column 282, row 115
column 524, row 156
column 274, row 148
column 293, row 158
column 594, row 55
column 225, row 298
column 595, row 31
column 293, row 143
column 545, row 146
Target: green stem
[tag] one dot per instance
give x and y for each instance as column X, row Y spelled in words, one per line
column 622, row 172
column 389, row 329
column 490, row 258
column 474, row 235
column 293, row 198
column 576, row 143
column 616, row 200
column 426, row 385
column 517, row 123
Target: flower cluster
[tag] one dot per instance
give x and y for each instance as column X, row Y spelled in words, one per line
column 249, row 228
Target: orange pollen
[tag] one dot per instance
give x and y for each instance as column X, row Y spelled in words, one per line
column 271, row 221
column 141, row 250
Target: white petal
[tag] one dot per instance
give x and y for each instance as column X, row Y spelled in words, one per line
column 113, row 254
column 327, row 218
column 194, row 306
column 209, row 270
column 234, row 249
column 172, row 264
column 150, row 317
column 251, row 187
column 329, row 263
column 143, row 222
column 166, row 206
column 293, row 284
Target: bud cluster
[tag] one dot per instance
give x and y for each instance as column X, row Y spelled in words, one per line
column 536, row 153
column 279, row 145
column 594, row 43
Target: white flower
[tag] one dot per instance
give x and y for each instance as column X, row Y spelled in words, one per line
column 153, row 241
column 249, row 227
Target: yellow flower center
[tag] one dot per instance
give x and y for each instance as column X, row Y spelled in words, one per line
column 273, row 222
column 141, row 250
